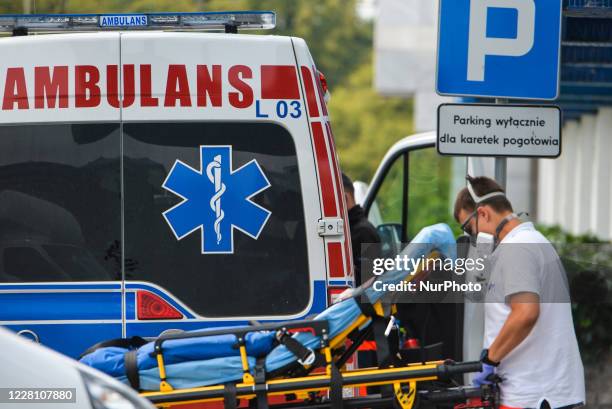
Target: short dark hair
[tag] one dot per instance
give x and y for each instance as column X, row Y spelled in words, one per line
column 482, row 185
column 348, row 184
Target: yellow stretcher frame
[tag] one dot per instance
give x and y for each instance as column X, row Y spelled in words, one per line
column 398, row 377
column 403, row 380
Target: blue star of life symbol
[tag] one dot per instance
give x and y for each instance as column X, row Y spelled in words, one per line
column 216, row 199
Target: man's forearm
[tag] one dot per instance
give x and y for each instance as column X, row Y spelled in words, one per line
column 518, row 325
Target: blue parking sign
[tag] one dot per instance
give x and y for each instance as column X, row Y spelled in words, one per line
column 499, row 48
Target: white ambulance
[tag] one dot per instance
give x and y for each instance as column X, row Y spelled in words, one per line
column 155, row 178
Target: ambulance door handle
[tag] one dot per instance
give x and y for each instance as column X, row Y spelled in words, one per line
column 28, row 333
column 330, row 227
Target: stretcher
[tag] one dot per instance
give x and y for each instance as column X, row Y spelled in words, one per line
column 297, row 363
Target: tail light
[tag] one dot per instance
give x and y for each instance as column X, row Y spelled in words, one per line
column 333, row 293
column 323, row 82
column 324, row 87
column 411, row 343
column 150, row 306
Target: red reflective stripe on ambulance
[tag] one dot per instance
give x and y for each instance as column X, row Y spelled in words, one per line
column 320, row 91
column 279, row 82
column 311, row 99
column 325, row 173
column 340, row 194
column 334, row 256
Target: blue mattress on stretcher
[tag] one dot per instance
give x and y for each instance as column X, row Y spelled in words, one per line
column 110, row 360
column 214, row 360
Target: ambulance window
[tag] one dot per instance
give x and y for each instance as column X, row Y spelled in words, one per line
column 29, row 265
column 389, row 196
column 60, row 190
column 387, row 211
column 267, row 276
column 75, row 261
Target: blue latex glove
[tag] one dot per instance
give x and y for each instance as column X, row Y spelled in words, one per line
column 484, row 377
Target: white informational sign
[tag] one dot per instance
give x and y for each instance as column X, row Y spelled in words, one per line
column 499, row 130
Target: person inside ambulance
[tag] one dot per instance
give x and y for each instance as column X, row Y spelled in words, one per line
column 361, row 230
column 529, row 337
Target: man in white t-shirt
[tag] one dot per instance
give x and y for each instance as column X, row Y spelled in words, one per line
column 529, row 338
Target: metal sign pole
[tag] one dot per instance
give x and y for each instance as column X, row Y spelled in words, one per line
column 501, row 164
column 500, row 171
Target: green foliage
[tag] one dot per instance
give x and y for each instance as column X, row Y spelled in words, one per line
column 429, row 191
column 338, row 40
column 106, row 6
column 556, row 235
column 429, row 195
column 588, row 263
column 365, row 123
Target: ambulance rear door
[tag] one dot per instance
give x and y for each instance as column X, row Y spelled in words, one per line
column 60, row 189
column 221, row 200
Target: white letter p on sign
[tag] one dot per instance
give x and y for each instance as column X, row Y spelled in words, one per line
column 480, row 45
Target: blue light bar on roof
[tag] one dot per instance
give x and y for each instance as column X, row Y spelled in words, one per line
column 47, row 23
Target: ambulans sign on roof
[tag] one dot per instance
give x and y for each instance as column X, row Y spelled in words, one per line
column 61, row 23
column 499, row 48
column 129, row 20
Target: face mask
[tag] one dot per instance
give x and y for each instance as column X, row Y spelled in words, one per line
column 485, row 244
column 479, row 200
